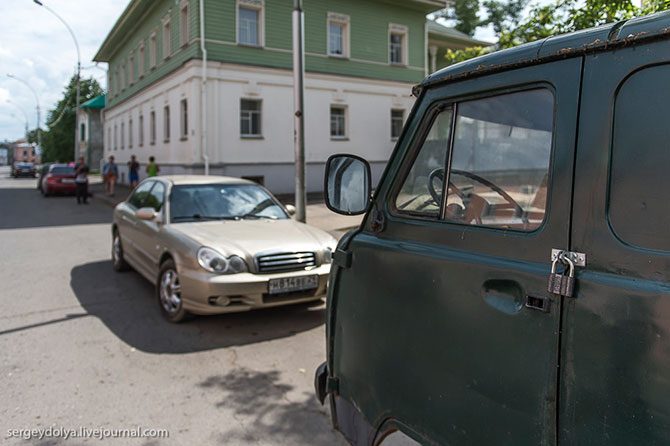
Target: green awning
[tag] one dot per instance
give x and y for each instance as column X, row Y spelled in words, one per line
column 97, row 103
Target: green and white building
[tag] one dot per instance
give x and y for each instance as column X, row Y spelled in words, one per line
column 220, row 92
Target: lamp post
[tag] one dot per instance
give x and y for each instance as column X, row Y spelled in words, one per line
column 76, row 44
column 37, row 101
column 25, row 115
column 299, row 105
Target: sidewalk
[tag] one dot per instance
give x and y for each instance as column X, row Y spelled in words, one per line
column 317, row 213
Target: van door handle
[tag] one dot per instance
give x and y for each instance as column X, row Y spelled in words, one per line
column 542, row 304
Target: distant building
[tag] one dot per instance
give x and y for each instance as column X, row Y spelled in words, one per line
column 91, row 130
column 24, row 151
column 362, row 58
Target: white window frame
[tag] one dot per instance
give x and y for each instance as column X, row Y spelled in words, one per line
column 259, row 6
column 153, row 50
column 342, row 20
column 131, row 70
column 259, row 134
column 345, row 127
column 402, row 122
column 141, row 60
column 167, row 38
column 184, row 25
column 403, row 31
column 183, row 119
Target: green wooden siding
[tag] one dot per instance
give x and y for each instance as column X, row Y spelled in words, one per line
column 369, row 35
column 148, row 24
column 368, row 27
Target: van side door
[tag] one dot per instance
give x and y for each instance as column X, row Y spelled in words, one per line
column 441, row 323
column 615, row 356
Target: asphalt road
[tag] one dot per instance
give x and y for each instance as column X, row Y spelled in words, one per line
column 83, row 346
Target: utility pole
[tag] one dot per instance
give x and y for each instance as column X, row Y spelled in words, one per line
column 299, row 104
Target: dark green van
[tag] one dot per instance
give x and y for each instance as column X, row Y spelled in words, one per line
column 509, row 284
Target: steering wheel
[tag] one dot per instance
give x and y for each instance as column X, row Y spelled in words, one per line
column 439, row 174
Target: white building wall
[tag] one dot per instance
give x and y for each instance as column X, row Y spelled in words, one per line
column 368, row 102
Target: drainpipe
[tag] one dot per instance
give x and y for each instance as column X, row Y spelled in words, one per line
column 203, row 91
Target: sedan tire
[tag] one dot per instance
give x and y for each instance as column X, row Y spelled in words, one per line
column 118, row 262
column 168, row 292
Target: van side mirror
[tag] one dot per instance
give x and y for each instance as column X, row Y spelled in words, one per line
column 348, row 184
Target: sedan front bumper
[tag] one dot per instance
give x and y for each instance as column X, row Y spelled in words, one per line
column 200, row 290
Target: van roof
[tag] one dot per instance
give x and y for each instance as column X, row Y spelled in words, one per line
column 612, row 35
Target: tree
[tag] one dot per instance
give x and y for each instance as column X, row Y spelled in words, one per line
column 561, row 17
column 464, row 14
column 58, row 140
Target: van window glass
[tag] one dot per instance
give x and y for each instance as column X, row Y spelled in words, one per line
column 140, row 194
column 421, row 192
column 500, row 162
column 639, row 180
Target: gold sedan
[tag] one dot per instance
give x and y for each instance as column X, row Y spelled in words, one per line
column 217, row 244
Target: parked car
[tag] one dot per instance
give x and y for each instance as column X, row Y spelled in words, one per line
column 218, row 245
column 522, row 231
column 57, row 179
column 24, row 169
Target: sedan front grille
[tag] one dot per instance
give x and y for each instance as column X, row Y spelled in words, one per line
column 285, row 261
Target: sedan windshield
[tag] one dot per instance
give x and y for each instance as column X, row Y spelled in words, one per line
column 62, row 170
column 223, row 202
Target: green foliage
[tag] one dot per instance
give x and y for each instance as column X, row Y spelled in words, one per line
column 455, row 56
column 560, row 17
column 464, row 14
column 58, row 140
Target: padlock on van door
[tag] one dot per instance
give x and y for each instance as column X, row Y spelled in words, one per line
column 555, row 283
column 568, row 281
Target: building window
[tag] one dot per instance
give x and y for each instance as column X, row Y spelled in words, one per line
column 167, row 39
column 250, row 22
column 109, row 139
column 398, row 45
column 116, row 82
column 338, row 35
column 397, row 121
column 152, row 50
column 338, row 122
column 166, row 123
column 183, row 108
column 140, row 123
column 140, row 60
column 130, row 133
column 250, row 118
column 124, row 77
column 131, row 69
column 123, row 135
column 116, row 139
column 152, row 127
column 183, row 23
column 110, row 83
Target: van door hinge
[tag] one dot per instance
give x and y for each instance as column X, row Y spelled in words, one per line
column 342, row 258
column 578, row 258
column 332, row 385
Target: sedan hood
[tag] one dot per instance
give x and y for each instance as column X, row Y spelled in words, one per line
column 251, row 237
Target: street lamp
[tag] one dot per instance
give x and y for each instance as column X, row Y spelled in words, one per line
column 37, row 100
column 76, row 44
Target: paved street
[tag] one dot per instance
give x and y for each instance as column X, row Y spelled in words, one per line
column 85, row 346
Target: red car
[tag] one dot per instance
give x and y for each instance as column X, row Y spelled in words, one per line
column 59, row 179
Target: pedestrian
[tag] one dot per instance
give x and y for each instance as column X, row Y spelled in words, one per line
column 81, row 181
column 110, row 172
column 133, row 171
column 152, row 167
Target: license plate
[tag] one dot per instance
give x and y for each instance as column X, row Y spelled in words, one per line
column 292, row 284
column 68, row 180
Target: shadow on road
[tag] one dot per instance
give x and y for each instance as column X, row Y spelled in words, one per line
column 24, row 207
column 274, row 414
column 126, row 304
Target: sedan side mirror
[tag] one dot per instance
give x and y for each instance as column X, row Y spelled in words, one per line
column 348, row 184
column 148, row 214
column 290, row 209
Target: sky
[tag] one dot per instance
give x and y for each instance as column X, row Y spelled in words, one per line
column 36, row 47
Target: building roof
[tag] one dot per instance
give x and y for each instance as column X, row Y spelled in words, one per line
column 613, row 35
column 441, row 32
column 96, row 103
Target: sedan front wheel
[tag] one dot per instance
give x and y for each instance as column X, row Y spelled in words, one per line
column 168, row 290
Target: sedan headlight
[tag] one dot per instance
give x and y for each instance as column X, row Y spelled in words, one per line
column 214, row 262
